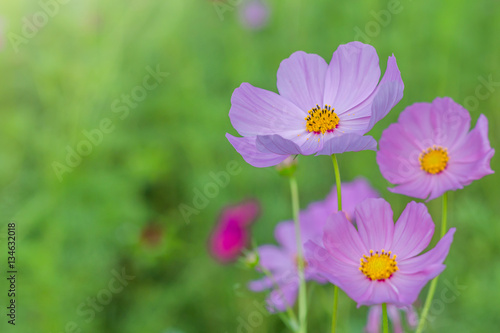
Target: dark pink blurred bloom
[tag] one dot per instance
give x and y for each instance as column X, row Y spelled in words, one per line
column 430, row 150
column 375, row 318
column 321, row 108
column 254, row 14
column 379, row 262
column 231, row 234
column 281, row 261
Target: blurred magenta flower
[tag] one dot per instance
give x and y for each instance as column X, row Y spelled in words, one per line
column 281, row 261
column 430, row 150
column 231, row 234
column 378, row 263
column 321, row 109
column 254, row 14
column 375, row 318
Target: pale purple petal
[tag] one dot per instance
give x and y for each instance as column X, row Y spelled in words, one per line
column 301, row 79
column 256, row 111
column 433, row 257
column 374, row 319
column 388, row 93
column 260, row 285
column 398, row 158
column 354, row 193
column 285, row 235
column 381, row 292
column 247, row 149
column 348, row 142
column 284, row 296
column 273, row 258
column 410, row 285
column 419, row 187
column 276, row 144
column 352, row 75
column 254, row 14
column 342, row 241
column 326, row 265
column 375, row 224
column 362, row 113
column 393, row 314
column 411, row 317
column 444, row 181
column 413, row 231
column 471, row 160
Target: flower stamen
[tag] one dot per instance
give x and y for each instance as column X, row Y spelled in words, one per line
column 378, row 266
column 321, row 120
column 434, row 160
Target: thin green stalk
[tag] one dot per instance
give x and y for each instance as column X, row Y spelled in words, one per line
column 432, row 288
column 385, row 325
column 445, row 214
column 300, row 257
column 339, row 206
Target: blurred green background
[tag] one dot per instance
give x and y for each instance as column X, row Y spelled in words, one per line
column 117, row 210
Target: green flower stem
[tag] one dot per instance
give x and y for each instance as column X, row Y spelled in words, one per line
column 339, row 205
column 432, row 288
column 300, row 257
column 385, row 320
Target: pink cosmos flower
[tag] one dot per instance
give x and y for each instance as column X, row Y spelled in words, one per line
column 378, row 263
column 375, row 318
column 430, row 150
column 231, row 234
column 254, row 14
column 321, row 109
column 281, row 260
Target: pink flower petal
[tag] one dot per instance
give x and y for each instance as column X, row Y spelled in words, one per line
column 347, row 142
column 413, row 231
column 375, row 235
column 352, row 76
column 433, row 257
column 376, row 107
column 342, row 241
column 248, row 150
column 301, row 79
column 273, row 258
column 256, row 111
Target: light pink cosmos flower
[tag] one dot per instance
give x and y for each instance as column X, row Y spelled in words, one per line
column 375, row 318
column 231, row 235
column 378, row 263
column 254, row 14
column 281, row 260
column 321, row 108
column 430, row 150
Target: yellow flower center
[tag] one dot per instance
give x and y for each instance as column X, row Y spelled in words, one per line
column 434, row 159
column 378, row 266
column 321, row 120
